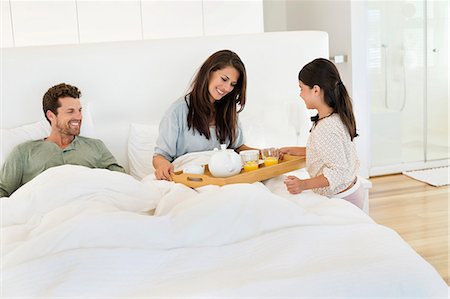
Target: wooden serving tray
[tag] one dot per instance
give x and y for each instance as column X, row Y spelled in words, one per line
column 289, row 163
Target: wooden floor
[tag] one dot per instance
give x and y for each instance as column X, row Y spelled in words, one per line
column 418, row 212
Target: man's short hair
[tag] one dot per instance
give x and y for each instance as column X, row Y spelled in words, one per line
column 52, row 96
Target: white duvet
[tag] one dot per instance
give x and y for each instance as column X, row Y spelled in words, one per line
column 79, row 232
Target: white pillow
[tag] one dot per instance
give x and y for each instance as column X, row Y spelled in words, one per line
column 10, row 138
column 141, row 146
column 87, row 126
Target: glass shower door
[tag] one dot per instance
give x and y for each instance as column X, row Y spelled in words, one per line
column 437, row 137
column 396, row 74
column 408, row 73
column 413, row 51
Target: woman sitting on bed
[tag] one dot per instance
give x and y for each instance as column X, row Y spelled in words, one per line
column 207, row 116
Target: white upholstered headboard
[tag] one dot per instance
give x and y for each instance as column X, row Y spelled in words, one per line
column 134, row 82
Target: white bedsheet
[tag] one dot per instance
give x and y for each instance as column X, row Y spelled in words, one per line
column 79, row 232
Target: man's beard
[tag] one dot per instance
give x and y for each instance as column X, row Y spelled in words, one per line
column 66, row 129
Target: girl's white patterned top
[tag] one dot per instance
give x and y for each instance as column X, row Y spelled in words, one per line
column 330, row 151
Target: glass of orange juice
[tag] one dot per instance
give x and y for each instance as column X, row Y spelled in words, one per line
column 250, row 159
column 271, row 156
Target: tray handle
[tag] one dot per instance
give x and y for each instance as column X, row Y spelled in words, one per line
column 194, row 178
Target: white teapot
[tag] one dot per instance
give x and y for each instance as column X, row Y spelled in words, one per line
column 225, row 163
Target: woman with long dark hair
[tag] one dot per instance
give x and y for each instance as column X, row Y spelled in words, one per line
column 207, row 116
column 331, row 158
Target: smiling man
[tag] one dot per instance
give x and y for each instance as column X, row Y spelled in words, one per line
column 62, row 109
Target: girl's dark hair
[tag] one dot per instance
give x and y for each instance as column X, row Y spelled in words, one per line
column 324, row 73
column 51, row 98
column 201, row 110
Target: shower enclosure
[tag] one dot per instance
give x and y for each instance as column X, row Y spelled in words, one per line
column 409, row 84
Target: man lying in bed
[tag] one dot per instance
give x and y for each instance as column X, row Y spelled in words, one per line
column 62, row 108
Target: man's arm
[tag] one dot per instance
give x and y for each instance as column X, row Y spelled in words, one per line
column 107, row 159
column 11, row 173
column 116, row 167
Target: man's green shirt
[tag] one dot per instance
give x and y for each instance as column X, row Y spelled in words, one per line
column 31, row 158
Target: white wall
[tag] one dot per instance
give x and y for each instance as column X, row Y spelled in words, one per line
column 44, row 22
column 333, row 17
column 345, row 23
column 360, row 83
column 6, row 35
column 275, row 16
column 58, row 22
column 172, row 19
column 100, row 21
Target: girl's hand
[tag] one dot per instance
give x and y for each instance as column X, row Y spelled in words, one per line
column 294, row 185
column 285, row 150
column 293, row 150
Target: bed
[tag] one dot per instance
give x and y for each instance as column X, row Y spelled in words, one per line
column 79, row 232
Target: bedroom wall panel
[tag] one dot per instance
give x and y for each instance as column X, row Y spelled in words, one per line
column 166, row 19
column 109, row 20
column 233, row 17
column 136, row 81
column 6, row 25
column 60, row 22
column 44, row 22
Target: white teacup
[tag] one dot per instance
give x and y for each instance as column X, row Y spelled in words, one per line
column 194, row 169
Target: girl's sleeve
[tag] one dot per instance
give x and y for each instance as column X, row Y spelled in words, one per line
column 331, row 147
column 166, row 143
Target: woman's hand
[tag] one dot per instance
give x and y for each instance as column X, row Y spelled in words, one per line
column 294, row 184
column 163, row 168
column 164, row 172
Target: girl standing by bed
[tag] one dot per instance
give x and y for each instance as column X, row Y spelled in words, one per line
column 331, row 158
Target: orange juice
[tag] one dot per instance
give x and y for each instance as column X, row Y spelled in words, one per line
column 268, row 161
column 250, row 165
